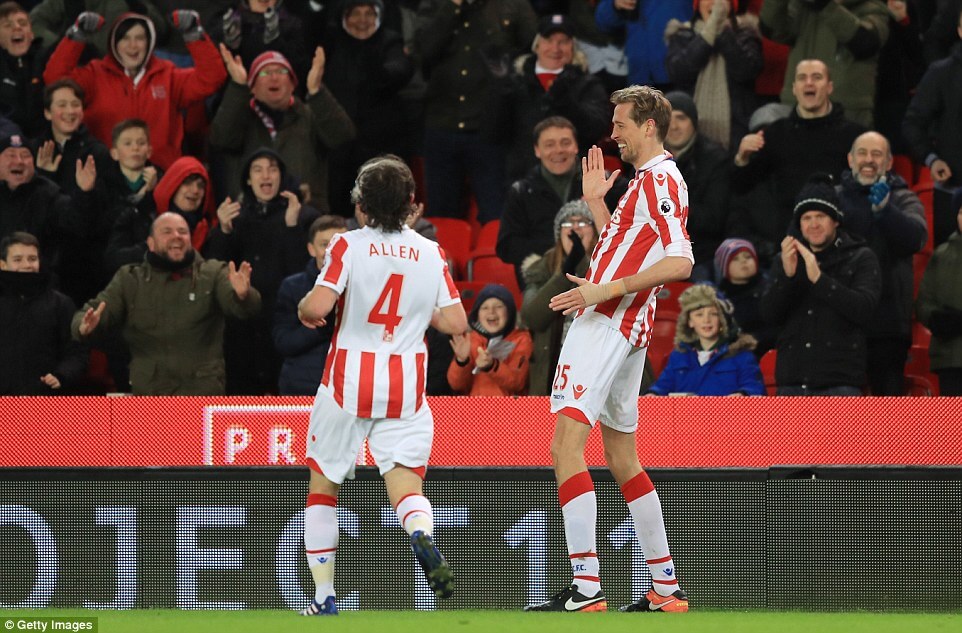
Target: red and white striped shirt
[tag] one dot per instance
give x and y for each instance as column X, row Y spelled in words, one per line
column 648, row 225
column 389, row 284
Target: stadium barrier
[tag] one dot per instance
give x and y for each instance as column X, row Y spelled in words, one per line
column 231, row 538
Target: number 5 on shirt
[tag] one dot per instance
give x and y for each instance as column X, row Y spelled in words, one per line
column 385, row 308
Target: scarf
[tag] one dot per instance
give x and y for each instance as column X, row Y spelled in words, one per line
column 561, row 185
column 162, row 263
column 266, row 115
column 711, row 94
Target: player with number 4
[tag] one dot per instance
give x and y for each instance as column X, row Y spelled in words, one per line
column 643, row 246
column 390, row 284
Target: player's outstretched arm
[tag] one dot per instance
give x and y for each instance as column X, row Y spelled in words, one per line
column 450, row 319
column 316, row 305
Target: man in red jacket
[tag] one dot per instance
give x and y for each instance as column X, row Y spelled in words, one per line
column 131, row 82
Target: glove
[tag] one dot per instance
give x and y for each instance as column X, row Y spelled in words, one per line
column 188, row 23
column 231, row 24
column 573, row 258
column 816, row 5
column 878, row 195
column 86, row 25
column 946, row 323
column 272, row 25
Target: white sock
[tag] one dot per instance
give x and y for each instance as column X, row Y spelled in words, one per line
column 415, row 513
column 645, row 508
column 579, row 508
column 320, row 542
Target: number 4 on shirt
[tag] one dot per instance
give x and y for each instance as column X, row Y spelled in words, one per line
column 385, row 308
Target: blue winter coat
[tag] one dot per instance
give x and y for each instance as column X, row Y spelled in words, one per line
column 645, row 45
column 727, row 372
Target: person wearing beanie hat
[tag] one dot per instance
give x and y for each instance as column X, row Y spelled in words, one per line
column 705, row 166
column 491, row 359
column 822, row 295
column 711, row 356
column 267, row 225
column 260, row 109
column 715, row 57
column 544, row 277
column 738, row 275
column 157, row 91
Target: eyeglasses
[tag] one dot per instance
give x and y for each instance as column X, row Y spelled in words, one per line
column 268, row 72
column 576, row 225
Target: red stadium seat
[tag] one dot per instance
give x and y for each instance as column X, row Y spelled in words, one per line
column 767, row 365
column 917, row 364
column 920, row 335
column 904, row 167
column 486, row 267
column 926, row 195
column 919, row 263
column 660, row 346
column 488, row 235
column 469, row 292
column 667, row 306
column 918, row 387
column 454, row 236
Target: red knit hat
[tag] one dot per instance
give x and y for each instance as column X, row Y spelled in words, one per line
column 265, row 59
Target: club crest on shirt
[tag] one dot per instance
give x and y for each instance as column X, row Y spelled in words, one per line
column 667, row 207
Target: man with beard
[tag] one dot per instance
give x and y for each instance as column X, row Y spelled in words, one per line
column 824, row 290
column 171, row 309
column 880, row 208
column 37, row 356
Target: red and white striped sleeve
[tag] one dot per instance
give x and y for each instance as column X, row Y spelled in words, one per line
column 668, row 204
column 448, row 293
column 336, row 269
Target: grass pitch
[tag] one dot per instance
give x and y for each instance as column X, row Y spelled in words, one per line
column 157, row 621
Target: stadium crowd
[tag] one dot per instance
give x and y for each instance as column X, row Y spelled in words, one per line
column 177, row 168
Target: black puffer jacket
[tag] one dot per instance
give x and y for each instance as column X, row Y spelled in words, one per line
column 21, row 87
column 822, row 338
column 894, row 234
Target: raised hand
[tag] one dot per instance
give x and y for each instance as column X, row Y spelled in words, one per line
column 811, row 264
column 483, row 360
column 87, row 24
column 46, row 158
column 293, row 210
column 749, row 144
column 461, row 344
column 51, row 381
column 91, row 319
column 789, row 256
column 86, row 175
column 150, row 178
column 234, row 65
column 594, row 183
column 187, row 22
column 226, row 212
column 941, row 172
column 240, row 279
column 316, row 74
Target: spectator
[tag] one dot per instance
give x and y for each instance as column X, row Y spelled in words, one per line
column 59, row 147
column 940, row 36
column 932, row 126
column 643, row 22
column 823, row 293
column 604, row 52
column 366, row 68
column 846, row 34
column 940, row 308
column 184, row 190
column 716, row 57
column 739, row 278
column 879, row 208
column 267, row 225
column 35, row 205
column 37, row 355
column 171, row 308
column 303, row 133
column 52, row 19
column 491, row 360
column 712, row 357
column 156, row 90
column 131, row 181
column 704, row 164
column 544, row 277
column 526, row 226
column 22, row 60
column 902, row 64
column 461, row 43
column 552, row 82
column 815, row 137
column 304, row 349
column 252, row 27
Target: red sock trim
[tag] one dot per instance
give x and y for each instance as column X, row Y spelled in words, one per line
column 658, row 561
column 313, row 465
column 404, row 520
column 576, row 415
column 321, row 551
column 591, row 578
column 410, row 494
column 317, row 499
column 665, row 582
column 584, row 555
column 575, row 486
column 637, row 487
